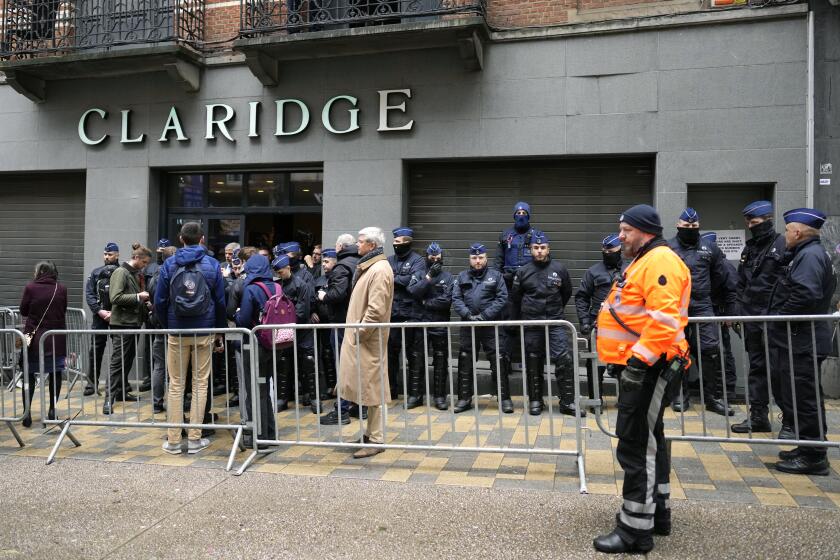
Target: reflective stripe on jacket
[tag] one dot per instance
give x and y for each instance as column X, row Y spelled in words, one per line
column 652, row 300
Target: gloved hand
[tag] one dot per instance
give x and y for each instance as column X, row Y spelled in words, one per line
column 435, row 269
column 633, row 375
column 476, row 318
column 586, row 329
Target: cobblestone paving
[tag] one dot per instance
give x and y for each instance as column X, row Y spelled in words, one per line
column 706, row 471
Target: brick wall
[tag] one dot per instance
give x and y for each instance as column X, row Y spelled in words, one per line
column 535, row 13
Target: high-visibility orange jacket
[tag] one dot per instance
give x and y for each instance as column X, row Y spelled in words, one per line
column 652, row 300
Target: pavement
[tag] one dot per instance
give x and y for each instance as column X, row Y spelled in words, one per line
column 89, row 510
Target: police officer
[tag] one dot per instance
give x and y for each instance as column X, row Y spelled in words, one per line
column 433, row 290
column 759, row 271
column 540, row 291
column 512, row 253
column 99, row 302
column 323, row 313
column 292, row 250
column 805, row 288
column 406, row 264
column 594, row 287
column 479, row 294
column 705, row 261
column 728, row 285
column 640, row 332
column 299, row 291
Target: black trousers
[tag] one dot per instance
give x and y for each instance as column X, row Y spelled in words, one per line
column 558, row 342
column 97, row 352
column 757, row 376
column 485, row 339
column 123, row 352
column 413, row 347
column 643, row 454
column 809, row 410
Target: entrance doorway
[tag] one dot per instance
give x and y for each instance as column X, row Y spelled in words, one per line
column 259, row 208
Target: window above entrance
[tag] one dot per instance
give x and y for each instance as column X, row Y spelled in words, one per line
column 279, row 191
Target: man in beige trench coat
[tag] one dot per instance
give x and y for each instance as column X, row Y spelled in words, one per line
column 364, row 352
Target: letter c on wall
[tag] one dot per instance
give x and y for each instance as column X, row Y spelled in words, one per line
column 83, row 134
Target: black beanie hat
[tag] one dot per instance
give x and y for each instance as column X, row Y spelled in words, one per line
column 643, row 217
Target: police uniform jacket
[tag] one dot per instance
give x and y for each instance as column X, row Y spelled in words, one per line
column 92, row 295
column 484, row 294
column 594, row 287
column 514, row 251
column 340, row 284
column 300, row 292
column 321, row 308
column 705, row 261
column 805, row 288
column 435, row 295
column 722, row 300
column 405, row 306
column 759, row 271
column 541, row 290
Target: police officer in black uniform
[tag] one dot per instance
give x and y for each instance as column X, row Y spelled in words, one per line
column 406, row 264
column 759, row 271
column 99, row 302
column 297, row 289
column 705, row 261
column 594, row 287
column 433, row 290
column 512, row 253
column 479, row 294
column 805, row 288
column 540, row 291
column 729, row 284
column 325, row 314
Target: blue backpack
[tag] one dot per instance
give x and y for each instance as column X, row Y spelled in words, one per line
column 189, row 292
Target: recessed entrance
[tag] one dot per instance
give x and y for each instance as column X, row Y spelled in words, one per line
column 260, row 208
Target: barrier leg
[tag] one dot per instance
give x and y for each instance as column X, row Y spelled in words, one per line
column 65, row 431
column 582, row 472
column 15, row 433
column 233, row 448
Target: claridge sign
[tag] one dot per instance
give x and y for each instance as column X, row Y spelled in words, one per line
column 217, row 115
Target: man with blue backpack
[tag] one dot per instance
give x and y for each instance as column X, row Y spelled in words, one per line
column 190, row 295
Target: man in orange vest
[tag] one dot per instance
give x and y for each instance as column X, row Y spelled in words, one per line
column 640, row 334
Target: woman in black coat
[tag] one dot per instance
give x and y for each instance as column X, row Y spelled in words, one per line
column 44, row 304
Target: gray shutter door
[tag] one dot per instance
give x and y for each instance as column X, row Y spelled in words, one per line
column 42, row 217
column 575, row 201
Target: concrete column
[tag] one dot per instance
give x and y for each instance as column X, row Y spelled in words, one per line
column 359, row 194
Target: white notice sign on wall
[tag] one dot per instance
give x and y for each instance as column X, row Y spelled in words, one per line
column 731, row 242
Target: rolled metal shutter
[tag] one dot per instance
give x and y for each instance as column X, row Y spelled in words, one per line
column 575, row 201
column 42, row 217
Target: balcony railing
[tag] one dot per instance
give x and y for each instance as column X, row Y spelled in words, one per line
column 295, row 16
column 32, row 28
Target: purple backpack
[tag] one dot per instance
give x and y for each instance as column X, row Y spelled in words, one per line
column 278, row 310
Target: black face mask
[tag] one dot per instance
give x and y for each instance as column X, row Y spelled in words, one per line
column 612, row 260
column 430, row 262
column 160, row 258
column 402, row 250
column 689, row 236
column 762, row 229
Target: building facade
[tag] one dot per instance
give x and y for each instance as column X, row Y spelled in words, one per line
column 304, row 129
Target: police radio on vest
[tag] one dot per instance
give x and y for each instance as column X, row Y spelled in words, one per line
column 219, row 115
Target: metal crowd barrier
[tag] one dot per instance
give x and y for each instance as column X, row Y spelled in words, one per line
column 125, row 414
column 712, row 431
column 10, row 318
column 13, row 408
column 77, row 348
column 292, row 429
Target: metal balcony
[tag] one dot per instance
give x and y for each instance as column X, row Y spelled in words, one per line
column 45, row 40
column 296, row 16
column 275, row 31
column 32, row 28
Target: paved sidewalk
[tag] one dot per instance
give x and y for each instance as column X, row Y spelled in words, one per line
column 90, row 510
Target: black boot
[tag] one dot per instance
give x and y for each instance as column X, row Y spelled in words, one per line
column 330, row 374
column 308, row 373
column 282, row 377
column 504, row 382
column 565, row 373
column 757, row 422
column 534, row 371
column 440, row 378
column 465, row 383
column 416, row 380
column 714, row 385
column 684, row 404
column 805, row 464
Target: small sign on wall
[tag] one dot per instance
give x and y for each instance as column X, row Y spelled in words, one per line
column 731, row 242
column 825, row 182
